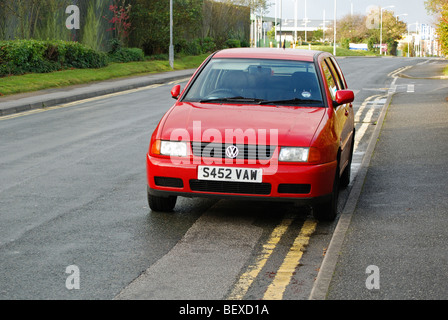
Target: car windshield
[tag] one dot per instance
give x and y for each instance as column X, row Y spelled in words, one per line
column 257, row 81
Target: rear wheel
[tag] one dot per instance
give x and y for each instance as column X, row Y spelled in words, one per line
column 163, row 204
column 328, row 211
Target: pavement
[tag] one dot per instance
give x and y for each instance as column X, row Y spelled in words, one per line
column 394, row 231
column 46, row 98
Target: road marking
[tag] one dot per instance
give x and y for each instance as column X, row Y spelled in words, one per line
column 21, row 114
column 395, row 73
column 248, row 277
column 363, row 106
column 70, row 104
column 421, row 63
column 367, row 119
column 178, row 81
column 284, row 275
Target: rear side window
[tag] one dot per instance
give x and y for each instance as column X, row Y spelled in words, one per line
column 340, row 74
column 331, row 82
column 336, row 74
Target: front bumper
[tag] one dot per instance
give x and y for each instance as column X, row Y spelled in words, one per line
column 298, row 183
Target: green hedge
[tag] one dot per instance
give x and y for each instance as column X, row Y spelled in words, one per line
column 25, row 56
column 126, row 55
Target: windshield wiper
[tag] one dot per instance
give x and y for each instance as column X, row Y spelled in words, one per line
column 295, row 101
column 232, row 99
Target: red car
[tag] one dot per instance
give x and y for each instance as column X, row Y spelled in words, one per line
column 262, row 124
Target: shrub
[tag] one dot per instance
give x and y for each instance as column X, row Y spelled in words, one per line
column 192, row 48
column 127, row 55
column 233, row 43
column 80, row 56
column 195, row 47
column 208, row 45
column 345, row 43
column 24, row 56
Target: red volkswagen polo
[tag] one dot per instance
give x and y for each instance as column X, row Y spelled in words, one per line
column 262, row 124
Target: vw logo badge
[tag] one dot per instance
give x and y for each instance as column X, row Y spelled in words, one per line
column 232, row 152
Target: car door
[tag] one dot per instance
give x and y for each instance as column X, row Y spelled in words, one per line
column 343, row 113
column 348, row 129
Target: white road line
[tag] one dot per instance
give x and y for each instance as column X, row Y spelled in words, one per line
column 366, row 121
column 362, row 107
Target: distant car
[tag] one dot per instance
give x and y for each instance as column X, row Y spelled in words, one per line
column 262, row 124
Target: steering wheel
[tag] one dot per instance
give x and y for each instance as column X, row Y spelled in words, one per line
column 221, row 93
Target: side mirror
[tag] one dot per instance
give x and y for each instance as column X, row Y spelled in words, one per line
column 343, row 97
column 175, row 91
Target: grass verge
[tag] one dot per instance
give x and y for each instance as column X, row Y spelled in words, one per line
column 40, row 81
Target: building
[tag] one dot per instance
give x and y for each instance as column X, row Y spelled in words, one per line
column 424, row 42
column 290, row 30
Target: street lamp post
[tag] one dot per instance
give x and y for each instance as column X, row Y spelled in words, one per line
column 305, row 20
column 334, row 28
column 295, row 23
column 281, row 14
column 171, row 49
column 323, row 26
column 381, row 29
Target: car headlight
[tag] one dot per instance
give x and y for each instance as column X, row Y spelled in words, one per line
column 173, row 148
column 293, row 154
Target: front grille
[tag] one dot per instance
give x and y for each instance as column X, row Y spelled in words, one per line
column 294, row 188
column 246, row 151
column 230, row 187
column 168, row 182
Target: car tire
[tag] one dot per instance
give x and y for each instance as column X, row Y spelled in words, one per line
column 161, row 204
column 327, row 211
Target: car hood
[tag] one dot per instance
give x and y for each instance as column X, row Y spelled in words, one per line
column 289, row 126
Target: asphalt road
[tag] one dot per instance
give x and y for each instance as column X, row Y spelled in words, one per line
column 73, row 192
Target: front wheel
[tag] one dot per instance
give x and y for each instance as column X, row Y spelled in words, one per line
column 328, row 211
column 161, row 204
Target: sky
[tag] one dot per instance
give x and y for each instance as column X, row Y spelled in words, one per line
column 415, row 9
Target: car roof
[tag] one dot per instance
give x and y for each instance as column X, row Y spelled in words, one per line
column 268, row 53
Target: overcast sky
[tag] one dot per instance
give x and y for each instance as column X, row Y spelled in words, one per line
column 415, row 9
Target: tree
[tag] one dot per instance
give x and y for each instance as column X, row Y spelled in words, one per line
column 358, row 29
column 226, row 20
column 120, row 25
column 393, row 30
column 353, row 28
column 439, row 8
column 150, row 20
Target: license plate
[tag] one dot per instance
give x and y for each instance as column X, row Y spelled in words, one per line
column 230, row 174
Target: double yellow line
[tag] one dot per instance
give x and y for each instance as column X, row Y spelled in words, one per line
column 284, row 274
